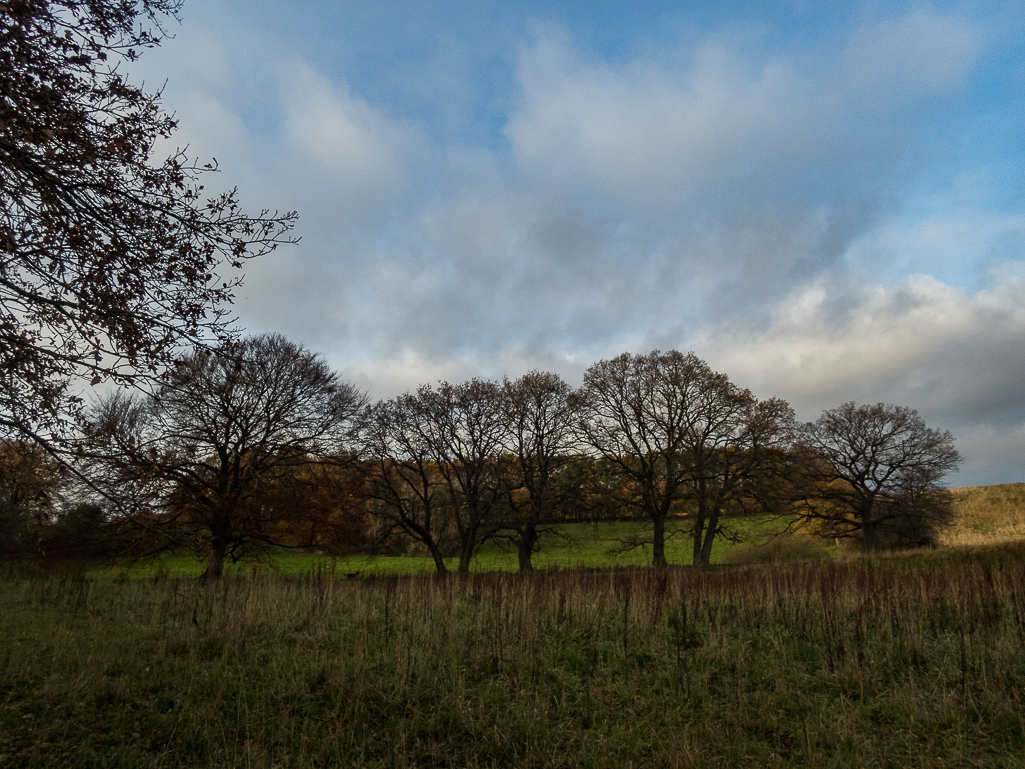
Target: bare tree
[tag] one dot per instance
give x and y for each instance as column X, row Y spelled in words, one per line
column 682, row 437
column 540, row 419
column 403, row 479
column 110, row 262
column 879, row 474
column 438, row 464
column 464, row 432
column 635, row 411
column 204, row 456
column 734, row 453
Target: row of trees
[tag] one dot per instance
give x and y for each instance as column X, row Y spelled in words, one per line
column 259, row 442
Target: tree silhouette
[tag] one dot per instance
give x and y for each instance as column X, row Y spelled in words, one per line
column 879, row 474
column 111, row 261
column 205, row 457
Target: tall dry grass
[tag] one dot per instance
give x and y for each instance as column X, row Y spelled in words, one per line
column 986, row 515
column 884, row 661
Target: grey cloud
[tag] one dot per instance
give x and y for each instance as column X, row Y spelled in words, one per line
column 958, row 357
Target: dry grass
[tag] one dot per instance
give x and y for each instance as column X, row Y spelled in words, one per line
column 887, row 661
column 986, row 515
column 785, row 659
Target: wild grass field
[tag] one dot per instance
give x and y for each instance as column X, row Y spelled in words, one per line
column 904, row 660
column 883, row 661
column 986, row 515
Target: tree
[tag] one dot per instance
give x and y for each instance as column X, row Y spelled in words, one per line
column 206, row 454
column 464, row 432
column 403, row 478
column 879, row 474
column 634, row 411
column 736, row 446
column 539, row 434
column 682, row 438
column 438, row 465
column 111, row 263
column 30, row 482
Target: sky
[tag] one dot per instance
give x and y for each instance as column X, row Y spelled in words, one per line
column 825, row 201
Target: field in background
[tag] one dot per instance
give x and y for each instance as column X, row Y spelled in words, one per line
column 572, row 546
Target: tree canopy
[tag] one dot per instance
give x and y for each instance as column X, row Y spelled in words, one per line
column 878, row 474
column 112, row 261
column 683, row 437
column 221, row 450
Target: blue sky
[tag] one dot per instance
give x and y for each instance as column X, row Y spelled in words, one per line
column 826, row 201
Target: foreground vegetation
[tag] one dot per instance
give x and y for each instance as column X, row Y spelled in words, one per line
column 910, row 660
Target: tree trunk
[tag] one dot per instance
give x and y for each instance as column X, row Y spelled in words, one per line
column 439, row 561
column 215, row 566
column 868, row 534
column 708, row 540
column 658, row 555
column 698, row 533
column 466, row 553
column 868, row 527
column 528, row 538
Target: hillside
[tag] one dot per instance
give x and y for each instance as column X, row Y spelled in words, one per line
column 987, row 515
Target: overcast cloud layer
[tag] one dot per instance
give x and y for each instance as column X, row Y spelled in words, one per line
column 825, row 207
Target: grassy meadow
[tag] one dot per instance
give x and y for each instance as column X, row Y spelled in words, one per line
column 568, row 546
column 777, row 659
column 986, row 515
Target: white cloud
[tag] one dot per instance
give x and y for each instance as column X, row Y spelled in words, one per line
column 904, row 57
column 732, row 125
column 922, row 343
column 340, row 134
column 386, row 377
column 652, row 134
column 211, row 130
column 956, row 356
column 953, row 243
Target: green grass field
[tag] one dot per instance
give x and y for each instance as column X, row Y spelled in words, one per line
column 983, row 515
column 574, row 546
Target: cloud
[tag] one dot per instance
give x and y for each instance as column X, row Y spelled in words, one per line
column 809, row 211
column 734, row 122
column 730, row 172
column 945, row 351
column 956, row 356
column 342, row 136
column 991, row 454
column 908, row 56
